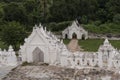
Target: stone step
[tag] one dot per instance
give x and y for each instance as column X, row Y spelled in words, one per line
column 73, row 46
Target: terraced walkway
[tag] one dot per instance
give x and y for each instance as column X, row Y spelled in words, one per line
column 73, row 46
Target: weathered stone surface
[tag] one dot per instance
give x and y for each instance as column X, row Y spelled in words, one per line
column 59, row 73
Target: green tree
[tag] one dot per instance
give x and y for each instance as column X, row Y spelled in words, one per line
column 29, row 6
column 13, row 34
column 84, row 19
column 63, row 10
column 67, row 10
column 116, row 18
column 13, row 12
column 8, row 1
column 101, row 15
column 113, row 7
column 44, row 6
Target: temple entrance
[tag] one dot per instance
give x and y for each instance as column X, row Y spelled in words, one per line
column 83, row 37
column 66, row 36
column 74, row 36
column 38, row 55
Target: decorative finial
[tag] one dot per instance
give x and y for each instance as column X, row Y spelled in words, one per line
column 35, row 26
column 10, row 48
column 106, row 41
column 45, row 29
column 61, row 40
column 40, row 25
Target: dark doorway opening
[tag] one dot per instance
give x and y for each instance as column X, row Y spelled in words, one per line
column 66, row 36
column 74, row 36
column 83, row 37
column 38, row 55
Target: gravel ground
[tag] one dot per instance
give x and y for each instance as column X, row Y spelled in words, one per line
column 44, row 72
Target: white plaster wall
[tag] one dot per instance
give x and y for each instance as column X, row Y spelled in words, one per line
column 8, row 57
column 43, row 48
column 12, row 59
column 74, row 28
column 63, row 61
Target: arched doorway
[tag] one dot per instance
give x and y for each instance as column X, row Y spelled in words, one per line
column 38, row 55
column 83, row 37
column 74, row 36
column 66, row 36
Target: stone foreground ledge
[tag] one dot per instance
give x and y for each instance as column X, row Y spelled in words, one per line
column 45, row 72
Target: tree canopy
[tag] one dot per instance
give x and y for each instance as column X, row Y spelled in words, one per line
column 30, row 12
column 97, row 16
column 13, row 33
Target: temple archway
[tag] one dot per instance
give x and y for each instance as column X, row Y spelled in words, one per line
column 66, row 36
column 38, row 55
column 83, row 37
column 74, row 36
